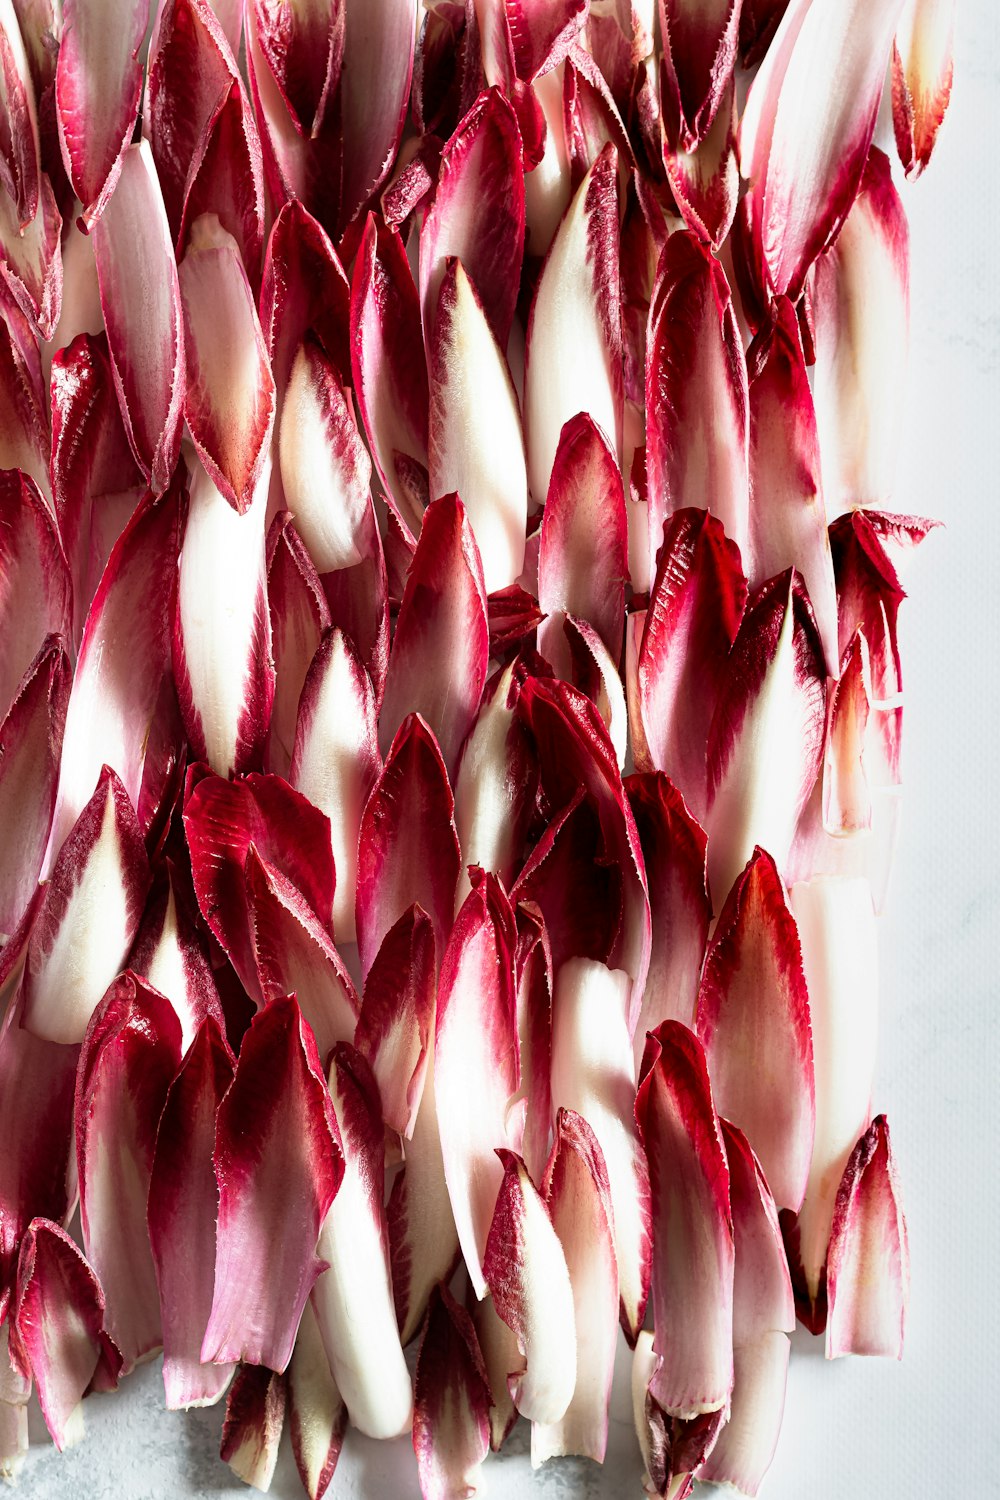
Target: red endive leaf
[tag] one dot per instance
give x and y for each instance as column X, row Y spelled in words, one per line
column 24, row 435
column 335, row 760
column 251, row 1432
column 922, row 66
column 96, row 483
column 578, row 1198
column 699, row 55
column 278, row 1163
column 98, row 87
column 577, row 888
column 19, row 143
column 771, row 695
column 840, row 958
column 574, row 751
column 317, row 1415
column 37, row 1080
column 807, row 129
column 451, row 1415
column 860, row 304
column 590, row 114
column 58, row 1326
column 422, row 1235
column 31, row 262
column 476, row 1065
column 124, row 667
column 695, row 608
column 183, row 1200
column 395, row 1030
column 170, row 955
column 300, row 616
column 869, row 592
column 868, row 1272
column 190, row 72
column 222, row 635
column 593, row 1074
column 294, row 952
column 480, row 163
column 787, row 515
column 440, row 650
column 574, row 349
column 758, row 22
column 525, row 1267
column 304, row 290
column 365, row 1354
column 35, row 586
column 30, row 741
column 541, row 32
column 583, row 556
column 229, row 403
column 696, row 394
column 407, row 849
column 705, row 184
column 130, row 1054
column 753, row 1021
column 497, row 777
column 374, row 89
column 763, row 1313
column 142, row 310
column 674, row 848
column 533, row 977
column 227, row 179
column 692, row 1282
column 222, row 820
column 388, row 368
column 303, row 45
column 294, row 166
column 87, row 917
column 475, row 444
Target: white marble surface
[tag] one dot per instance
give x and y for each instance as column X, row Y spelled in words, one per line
column 855, row 1427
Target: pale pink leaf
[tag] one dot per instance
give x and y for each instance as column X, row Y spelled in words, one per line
column 922, row 67
column 578, row 1198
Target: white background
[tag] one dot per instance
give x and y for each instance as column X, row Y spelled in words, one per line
column 854, row 1427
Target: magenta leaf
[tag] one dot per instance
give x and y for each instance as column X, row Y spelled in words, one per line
column 278, row 1164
